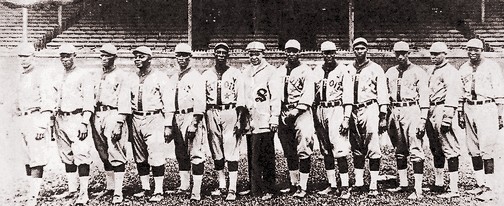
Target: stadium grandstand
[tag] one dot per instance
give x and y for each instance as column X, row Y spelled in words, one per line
column 161, row 24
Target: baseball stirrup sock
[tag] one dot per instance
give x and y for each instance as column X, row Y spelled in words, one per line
column 197, row 184
column 293, row 163
column 489, row 166
column 373, row 185
column 118, row 182
column 72, row 181
column 222, row 178
column 184, row 180
column 233, row 177
column 232, row 166
column 219, row 164
column 359, row 177
column 294, row 177
column 84, row 184
column 83, row 170
column 329, row 162
column 28, row 170
column 37, row 172
column 144, row 179
column 402, row 163
column 305, row 165
column 454, row 177
column 477, row 163
column 331, row 177
column 70, row 168
column 342, row 165
column 438, row 176
column 158, row 185
column 439, row 161
column 119, row 168
column 109, row 179
column 453, row 164
column 344, row 179
column 303, row 180
column 107, row 166
column 198, row 169
column 359, row 161
column 158, row 171
column 143, row 168
column 418, row 167
column 374, row 164
column 418, row 183
column 403, row 177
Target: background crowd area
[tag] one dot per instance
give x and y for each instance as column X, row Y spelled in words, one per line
column 14, row 184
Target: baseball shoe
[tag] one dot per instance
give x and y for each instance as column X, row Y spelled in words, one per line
column 104, row 193
column 434, row 188
column 300, row 193
column 66, row 195
column 345, row 194
column 448, row 195
column 195, row 197
column 398, row 189
column 486, row 195
column 141, row 194
column 218, row 192
column 266, row 196
column 415, row 196
column 290, row 189
column 328, row 191
column 231, row 196
column 156, row 197
column 372, row 193
column 82, row 199
column 178, row 191
column 477, row 190
column 116, row 199
column 358, row 189
column 244, row 192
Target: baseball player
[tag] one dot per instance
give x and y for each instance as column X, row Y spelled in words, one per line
column 296, row 129
column 482, row 114
column 332, row 109
column 153, row 110
column 408, row 88
column 75, row 106
column 368, row 114
column 224, row 89
column 444, row 94
column 33, row 110
column 113, row 104
column 189, row 133
column 263, row 95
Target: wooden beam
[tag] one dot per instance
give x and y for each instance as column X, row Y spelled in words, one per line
column 189, row 22
column 351, row 23
column 25, row 25
column 482, row 10
column 60, row 18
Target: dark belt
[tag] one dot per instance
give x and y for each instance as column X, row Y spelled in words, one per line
column 185, row 111
column 146, row 113
column 289, row 105
column 480, row 102
column 103, row 108
column 436, row 103
column 62, row 113
column 365, row 104
column 222, row 106
column 28, row 112
column 404, row 104
column 333, row 103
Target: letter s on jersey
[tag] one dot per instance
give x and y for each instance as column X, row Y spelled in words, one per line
column 261, row 95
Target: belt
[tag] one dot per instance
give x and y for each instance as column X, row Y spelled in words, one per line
column 333, row 103
column 184, row 111
column 437, row 103
column 146, row 113
column 289, row 105
column 480, row 102
column 103, row 108
column 222, row 106
column 62, row 113
column 28, row 112
column 366, row 103
column 404, row 104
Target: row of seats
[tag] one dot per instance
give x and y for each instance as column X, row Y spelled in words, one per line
column 492, row 30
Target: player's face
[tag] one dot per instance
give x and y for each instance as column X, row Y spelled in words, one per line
column 474, row 53
column 360, row 51
column 437, row 57
column 329, row 56
column 67, row 60
column 402, row 57
column 107, row 59
column 221, row 55
column 255, row 57
column 26, row 60
column 292, row 55
column 183, row 59
column 141, row 59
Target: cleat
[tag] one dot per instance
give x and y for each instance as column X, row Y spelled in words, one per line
column 477, row 190
column 117, row 199
column 66, row 195
column 398, row 189
column 104, row 193
column 290, row 189
column 448, row 195
column 358, row 189
column 195, row 197
column 434, row 188
column 156, row 197
column 487, row 195
column 328, row 191
column 300, row 193
column 140, row 194
column 244, row 192
column 415, row 196
column 372, row 193
column 82, row 199
column 218, row 192
column 267, row 196
column 177, row 191
column 345, row 194
column 231, row 196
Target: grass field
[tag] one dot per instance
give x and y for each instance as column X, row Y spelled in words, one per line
column 14, row 185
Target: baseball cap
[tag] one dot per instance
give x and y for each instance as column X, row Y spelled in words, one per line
column 255, row 46
column 293, row 44
column 183, row 48
column 67, row 48
column 221, row 45
column 360, row 40
column 109, row 48
column 328, row 46
column 401, row 46
column 25, row 49
column 475, row 43
column 438, row 47
column 143, row 50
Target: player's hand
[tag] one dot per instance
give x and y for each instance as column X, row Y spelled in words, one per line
column 168, row 134
column 83, row 131
column 501, row 122
column 40, row 133
column 344, row 126
column 116, row 133
column 461, row 119
column 382, row 127
column 273, row 127
column 421, row 129
column 445, row 126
